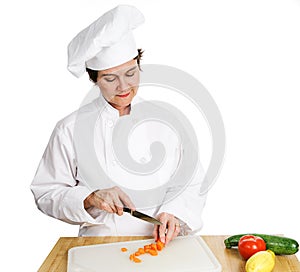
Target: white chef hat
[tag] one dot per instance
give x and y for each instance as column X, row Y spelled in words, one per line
column 107, row 42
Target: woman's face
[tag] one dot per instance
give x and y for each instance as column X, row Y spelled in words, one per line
column 119, row 84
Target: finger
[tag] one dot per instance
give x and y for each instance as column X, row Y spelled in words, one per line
column 104, row 202
column 126, row 200
column 155, row 233
column 111, row 202
column 170, row 231
column 119, row 210
column 105, row 207
column 177, row 230
column 119, row 207
column 161, row 232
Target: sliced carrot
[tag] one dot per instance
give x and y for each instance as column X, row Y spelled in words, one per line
column 131, row 257
column 160, row 242
column 137, row 260
column 159, row 245
column 153, row 246
column 141, row 250
column 153, row 252
column 123, row 249
column 151, row 249
column 147, row 247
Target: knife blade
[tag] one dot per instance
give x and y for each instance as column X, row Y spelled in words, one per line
column 142, row 216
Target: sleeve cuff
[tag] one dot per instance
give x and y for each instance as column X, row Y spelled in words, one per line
column 74, row 208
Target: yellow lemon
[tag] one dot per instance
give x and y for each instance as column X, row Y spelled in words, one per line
column 262, row 261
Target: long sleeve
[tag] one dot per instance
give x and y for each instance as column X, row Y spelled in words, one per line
column 57, row 191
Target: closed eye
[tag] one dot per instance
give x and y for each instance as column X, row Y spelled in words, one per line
column 109, row 78
column 130, row 74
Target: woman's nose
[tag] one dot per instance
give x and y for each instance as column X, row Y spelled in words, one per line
column 123, row 84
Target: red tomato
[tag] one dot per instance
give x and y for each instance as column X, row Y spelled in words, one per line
column 249, row 244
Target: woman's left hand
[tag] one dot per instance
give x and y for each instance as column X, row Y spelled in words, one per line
column 169, row 229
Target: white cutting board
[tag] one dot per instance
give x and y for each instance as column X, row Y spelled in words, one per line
column 183, row 254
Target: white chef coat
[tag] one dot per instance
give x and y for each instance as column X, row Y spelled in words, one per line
column 60, row 190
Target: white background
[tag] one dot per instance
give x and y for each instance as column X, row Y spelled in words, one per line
column 246, row 53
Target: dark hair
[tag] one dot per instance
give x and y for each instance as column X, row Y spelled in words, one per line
column 93, row 74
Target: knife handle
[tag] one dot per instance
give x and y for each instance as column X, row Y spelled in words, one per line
column 125, row 209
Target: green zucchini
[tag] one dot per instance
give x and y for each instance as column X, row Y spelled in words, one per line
column 278, row 244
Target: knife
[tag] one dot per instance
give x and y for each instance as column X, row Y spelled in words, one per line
column 142, row 216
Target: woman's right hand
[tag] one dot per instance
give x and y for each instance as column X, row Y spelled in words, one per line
column 111, row 200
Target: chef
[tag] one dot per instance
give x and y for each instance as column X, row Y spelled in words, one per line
column 106, row 50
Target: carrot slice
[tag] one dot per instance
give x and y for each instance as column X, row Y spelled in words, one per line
column 159, row 245
column 159, row 248
column 123, row 249
column 137, row 260
column 147, row 247
column 153, row 252
column 141, row 250
column 159, row 242
column 153, row 246
column 131, row 257
column 151, row 249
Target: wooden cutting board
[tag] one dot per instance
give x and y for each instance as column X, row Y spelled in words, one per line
column 182, row 255
column 230, row 260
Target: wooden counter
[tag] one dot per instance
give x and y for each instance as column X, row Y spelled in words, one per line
column 229, row 258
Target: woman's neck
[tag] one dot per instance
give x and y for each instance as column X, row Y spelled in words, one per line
column 123, row 110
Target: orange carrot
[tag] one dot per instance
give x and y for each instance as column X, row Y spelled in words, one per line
column 159, row 242
column 159, row 245
column 151, row 249
column 131, row 257
column 153, row 252
column 141, row 250
column 123, row 249
column 153, row 246
column 137, row 260
column 147, row 247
